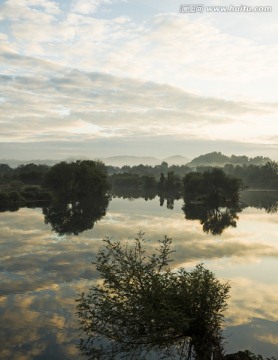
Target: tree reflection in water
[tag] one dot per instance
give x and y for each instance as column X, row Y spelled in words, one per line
column 215, row 217
column 266, row 200
column 73, row 215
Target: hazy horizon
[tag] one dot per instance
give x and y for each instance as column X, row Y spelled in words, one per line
column 98, row 78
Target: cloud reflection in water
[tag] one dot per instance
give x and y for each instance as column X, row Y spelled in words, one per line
column 42, row 273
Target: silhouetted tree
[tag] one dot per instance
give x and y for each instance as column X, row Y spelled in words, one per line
column 80, row 178
column 212, row 185
column 142, row 306
column 81, row 196
column 5, row 169
column 161, row 184
column 149, row 182
column 10, row 200
column 31, row 174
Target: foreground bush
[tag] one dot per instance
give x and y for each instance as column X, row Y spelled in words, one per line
column 144, row 307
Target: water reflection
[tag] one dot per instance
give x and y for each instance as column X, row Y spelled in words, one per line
column 75, row 214
column 134, row 193
column 214, row 217
column 267, row 200
column 42, row 273
column 170, row 199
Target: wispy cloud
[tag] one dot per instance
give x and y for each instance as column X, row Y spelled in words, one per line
column 67, row 104
column 88, row 6
column 87, row 70
column 166, row 47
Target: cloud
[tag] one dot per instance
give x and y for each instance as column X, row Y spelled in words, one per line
column 29, row 10
column 268, row 338
column 251, row 300
column 116, row 91
column 88, row 6
column 71, row 105
column 180, row 51
column 33, row 333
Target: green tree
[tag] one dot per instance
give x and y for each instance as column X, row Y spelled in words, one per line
column 143, row 307
column 212, row 185
column 193, row 184
column 149, row 182
column 161, row 184
column 5, row 169
column 81, row 196
column 78, row 178
column 31, row 174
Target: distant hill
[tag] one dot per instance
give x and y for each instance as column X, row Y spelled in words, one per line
column 219, row 159
column 14, row 163
column 144, row 160
column 112, row 160
column 176, row 160
column 210, row 159
column 130, row 160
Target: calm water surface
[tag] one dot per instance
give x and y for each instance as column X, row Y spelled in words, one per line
column 42, row 273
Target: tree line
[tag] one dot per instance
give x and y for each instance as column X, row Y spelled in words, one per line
column 75, row 195
column 29, row 183
column 40, row 184
column 264, row 175
column 253, row 176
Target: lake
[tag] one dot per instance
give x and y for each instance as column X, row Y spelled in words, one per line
column 42, row 272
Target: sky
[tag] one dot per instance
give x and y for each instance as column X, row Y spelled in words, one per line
column 98, row 78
